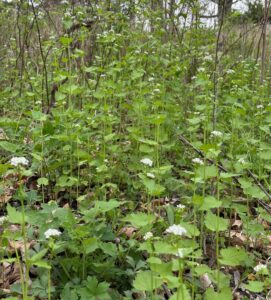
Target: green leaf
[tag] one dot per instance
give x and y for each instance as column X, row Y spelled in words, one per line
column 153, row 188
column 140, row 219
column 42, row 264
column 38, row 255
column 15, row 216
column 181, row 294
column 210, row 202
column 146, row 281
column 233, row 257
column 9, row 146
column 228, row 175
column 3, row 168
column 206, row 172
column 148, row 142
column 170, row 214
column 43, row 181
column 164, row 248
column 105, row 206
column 192, row 229
column 254, row 286
column 215, row 223
column 225, row 294
column 90, row 245
column 94, row 290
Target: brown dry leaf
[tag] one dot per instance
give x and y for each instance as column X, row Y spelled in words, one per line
column 128, row 231
column 5, row 196
column 20, row 246
column 10, row 273
column 251, row 276
column 14, row 227
column 3, row 135
column 66, row 205
column 237, row 224
column 237, row 237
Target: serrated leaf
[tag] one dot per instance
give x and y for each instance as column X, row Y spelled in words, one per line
column 90, row 245
column 43, row 181
column 41, row 264
column 140, row 219
column 15, row 216
column 154, row 189
column 9, row 146
column 225, row 294
column 146, row 281
column 254, row 286
column 38, row 255
column 105, row 206
column 232, row 256
column 164, row 248
column 215, row 223
column 181, row 294
column 210, row 202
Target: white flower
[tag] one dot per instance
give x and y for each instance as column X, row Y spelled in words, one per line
column 241, row 161
column 156, row 90
column 3, row 220
column 201, row 69
column 150, row 175
column 230, row 71
column 180, row 253
column 216, row 133
column 197, row 161
column 181, row 206
column 208, row 58
column 103, row 75
column 15, row 161
column 147, row 162
column 177, row 230
column 259, row 106
column 147, row 236
column 260, row 267
column 51, row 232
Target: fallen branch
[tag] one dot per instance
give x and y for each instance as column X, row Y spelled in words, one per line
column 235, row 178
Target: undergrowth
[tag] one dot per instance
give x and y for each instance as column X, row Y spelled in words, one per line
column 117, row 180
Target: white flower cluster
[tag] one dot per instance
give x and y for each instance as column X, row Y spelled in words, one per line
column 260, row 106
column 3, row 220
column 260, row 267
column 216, row 133
column 52, row 233
column 181, row 206
column 151, row 175
column 15, row 161
column 148, row 236
column 230, row 71
column 241, row 161
column 201, row 69
column 176, row 230
column 147, row 162
column 180, row 253
column 197, row 161
column 208, row 57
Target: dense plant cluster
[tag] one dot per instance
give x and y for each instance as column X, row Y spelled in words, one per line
column 135, row 156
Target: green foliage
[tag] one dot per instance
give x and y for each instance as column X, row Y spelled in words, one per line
column 95, row 97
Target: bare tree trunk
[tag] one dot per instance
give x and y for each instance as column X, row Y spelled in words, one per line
column 224, row 9
column 264, row 25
